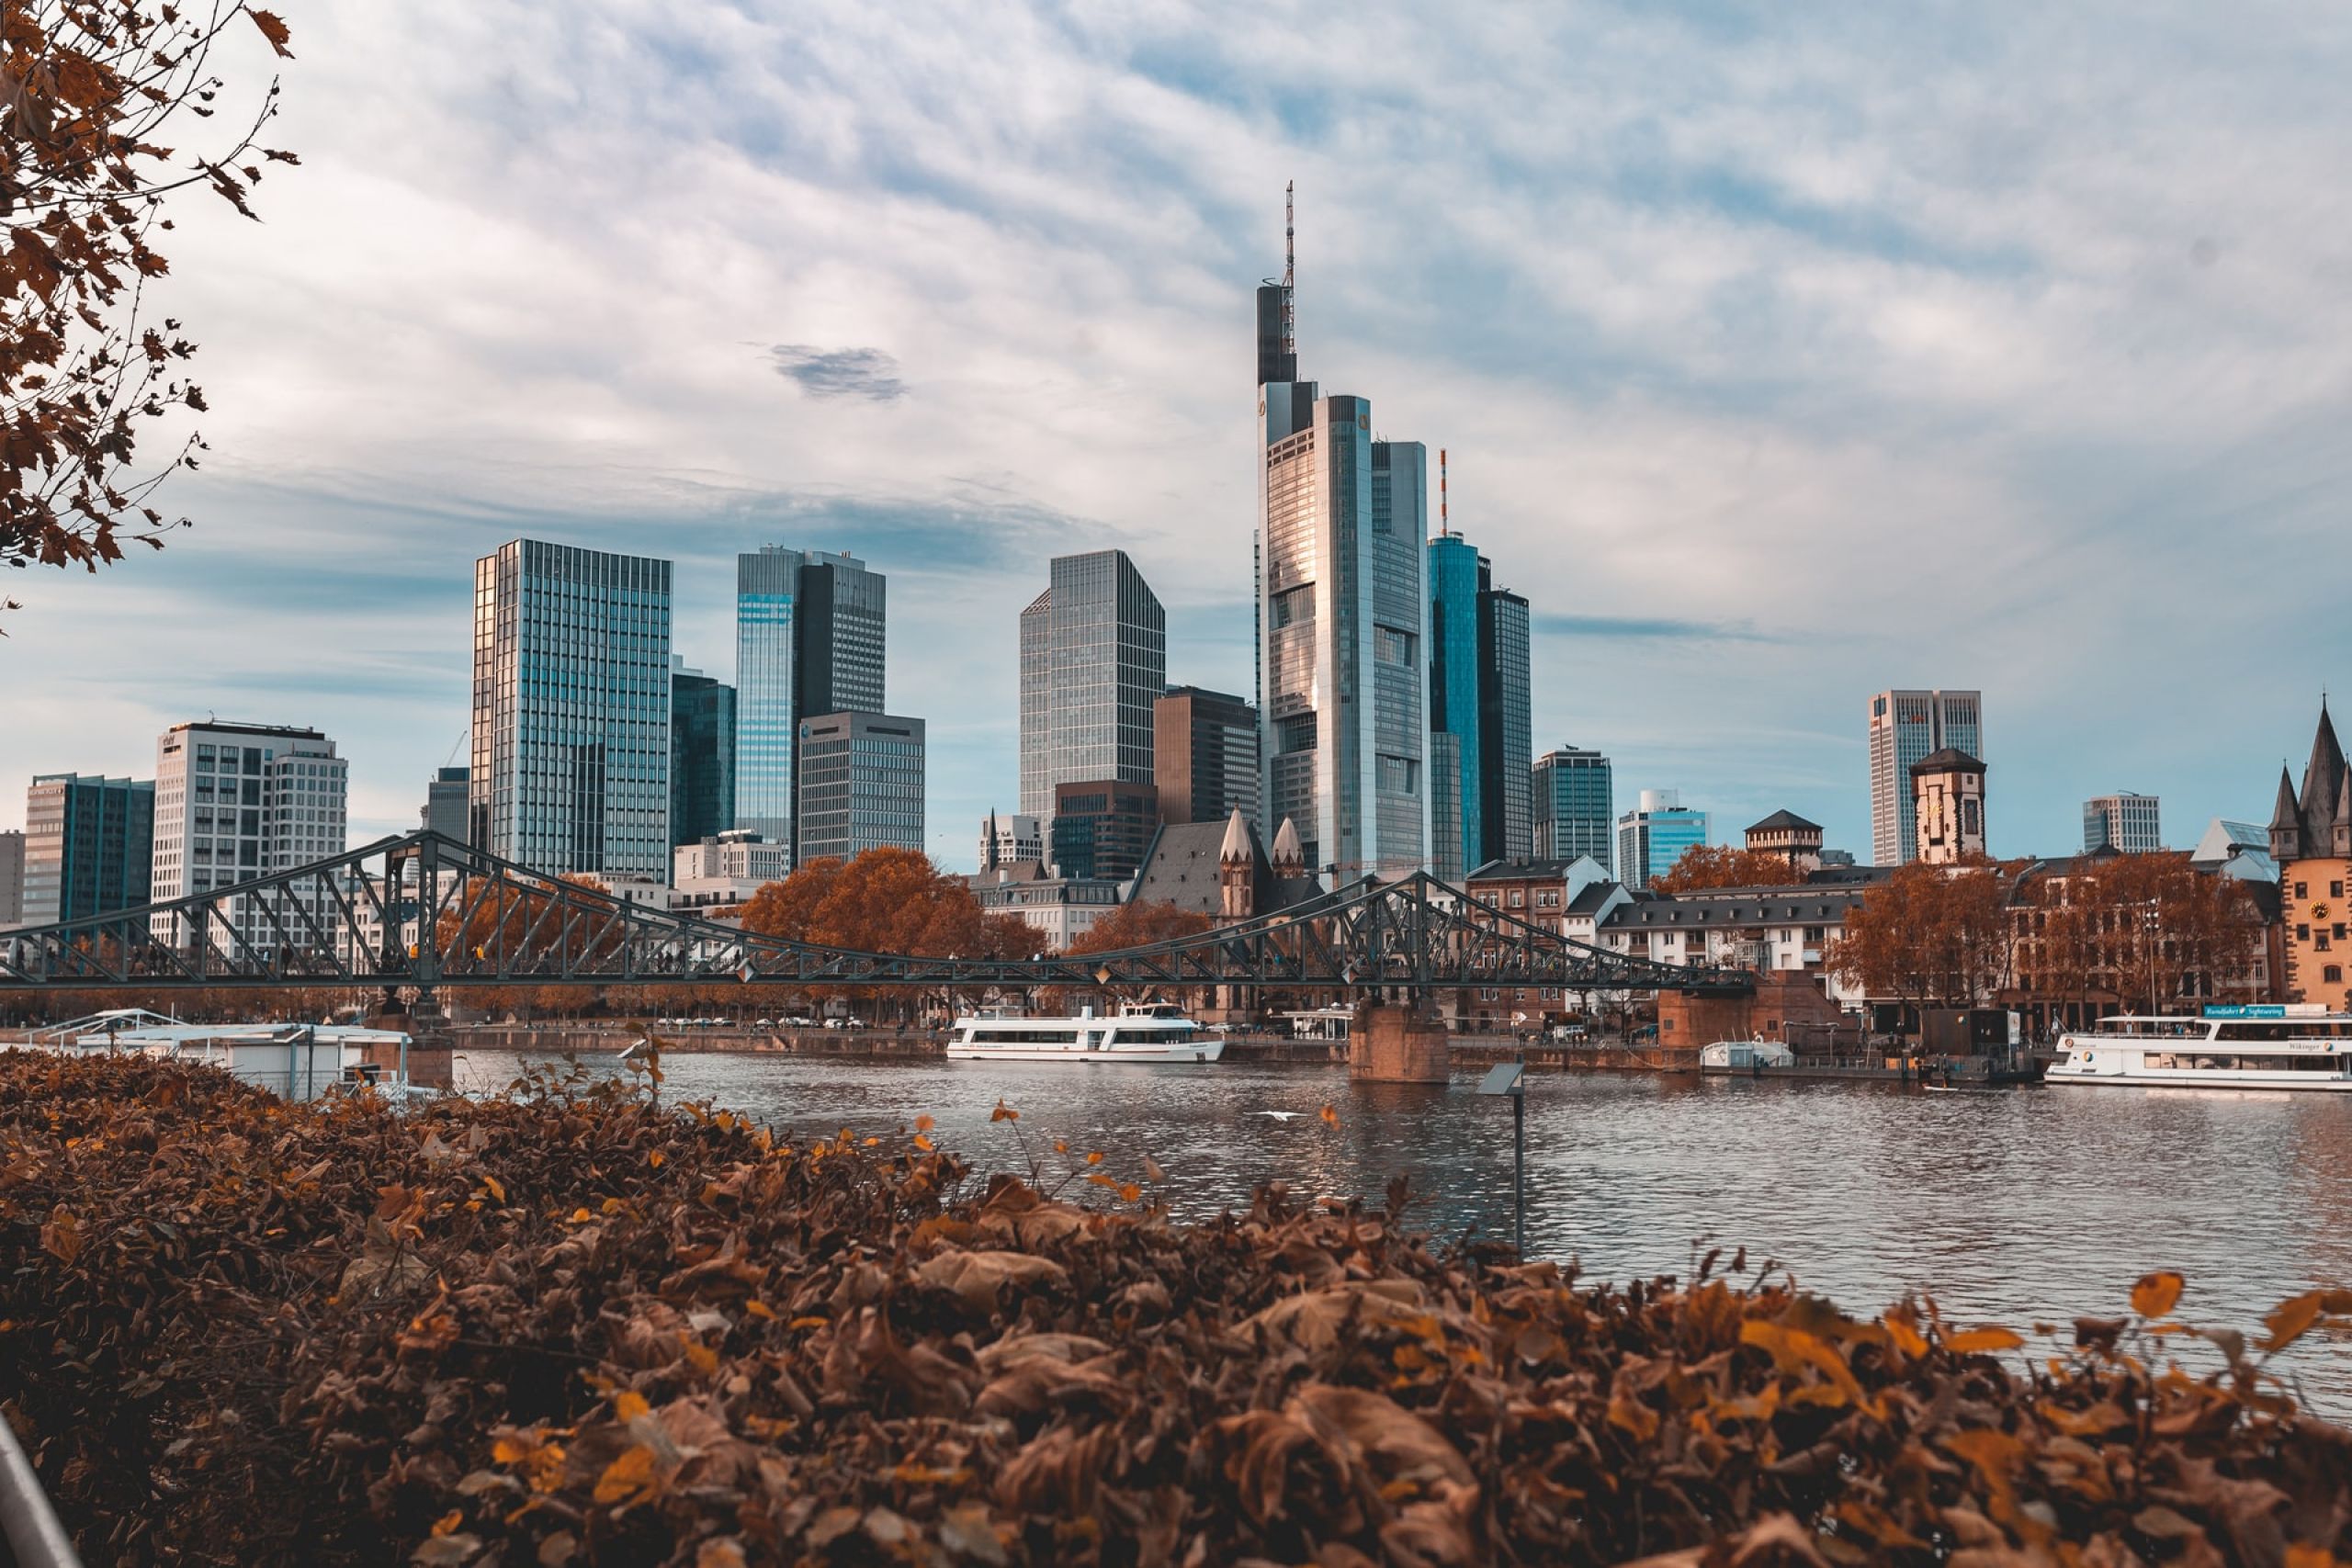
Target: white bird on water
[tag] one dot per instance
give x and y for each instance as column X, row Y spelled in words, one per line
column 1279, row 1115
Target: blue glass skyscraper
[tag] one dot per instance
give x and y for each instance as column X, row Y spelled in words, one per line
column 1456, row 573
column 810, row 638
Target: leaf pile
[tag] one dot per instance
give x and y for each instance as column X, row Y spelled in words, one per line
column 574, row 1326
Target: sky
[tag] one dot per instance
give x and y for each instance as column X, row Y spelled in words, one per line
column 1783, row 354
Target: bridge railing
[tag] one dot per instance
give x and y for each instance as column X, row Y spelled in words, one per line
column 425, row 911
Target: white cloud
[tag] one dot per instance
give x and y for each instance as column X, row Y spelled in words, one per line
column 1960, row 351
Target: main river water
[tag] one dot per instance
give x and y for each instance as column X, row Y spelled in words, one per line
column 2009, row 1206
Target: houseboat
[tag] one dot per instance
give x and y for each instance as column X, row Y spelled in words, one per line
column 1146, row 1032
column 2280, row 1046
column 1744, row 1055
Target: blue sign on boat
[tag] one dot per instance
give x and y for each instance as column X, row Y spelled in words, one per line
column 2246, row 1010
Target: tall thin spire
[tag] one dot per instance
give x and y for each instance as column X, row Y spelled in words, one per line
column 1444, row 522
column 1290, row 273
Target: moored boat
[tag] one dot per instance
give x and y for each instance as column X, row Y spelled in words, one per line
column 1145, row 1032
column 2280, row 1046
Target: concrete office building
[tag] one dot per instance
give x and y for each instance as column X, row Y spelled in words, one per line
column 810, row 637
column 1008, row 837
column 1574, row 799
column 1905, row 727
column 572, row 710
column 1656, row 834
column 2122, row 821
column 1204, row 756
column 1093, row 661
column 1342, row 617
column 11, row 879
column 444, row 803
column 88, row 843
column 861, row 786
column 238, row 801
column 702, row 755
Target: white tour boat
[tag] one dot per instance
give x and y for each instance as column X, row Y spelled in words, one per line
column 2291, row 1045
column 1149, row 1031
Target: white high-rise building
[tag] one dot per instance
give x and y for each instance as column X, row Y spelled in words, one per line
column 1905, row 727
column 236, row 803
column 2124, row 822
column 1007, row 837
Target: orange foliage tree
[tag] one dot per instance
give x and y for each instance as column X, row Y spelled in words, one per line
column 1725, row 865
column 2140, row 927
column 95, row 99
column 885, row 901
column 1929, row 936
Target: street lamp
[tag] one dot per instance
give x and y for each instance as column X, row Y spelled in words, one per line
column 1511, row 1078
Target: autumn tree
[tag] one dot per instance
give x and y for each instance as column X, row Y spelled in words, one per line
column 886, row 900
column 95, row 95
column 2148, row 927
column 1725, row 865
column 1929, row 936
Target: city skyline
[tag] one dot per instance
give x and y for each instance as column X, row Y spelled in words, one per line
column 2101, row 398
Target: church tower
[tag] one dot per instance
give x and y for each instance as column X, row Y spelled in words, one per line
column 2311, row 838
column 1237, row 870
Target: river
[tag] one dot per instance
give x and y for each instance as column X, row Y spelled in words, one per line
column 2010, row 1206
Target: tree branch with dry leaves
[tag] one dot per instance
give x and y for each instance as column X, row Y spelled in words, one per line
column 93, row 97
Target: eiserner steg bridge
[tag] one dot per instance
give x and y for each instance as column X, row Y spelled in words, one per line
column 423, row 912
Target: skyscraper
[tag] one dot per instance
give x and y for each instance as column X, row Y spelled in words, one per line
column 1479, row 693
column 809, row 640
column 237, row 802
column 1457, row 571
column 1575, row 806
column 1906, row 726
column 702, row 755
column 2123, row 820
column 11, row 879
column 444, row 803
column 1204, row 756
column 1343, row 618
column 1506, row 726
column 572, row 710
column 1094, row 660
column 861, row 785
column 1345, row 725
column 89, row 846
column 1656, row 834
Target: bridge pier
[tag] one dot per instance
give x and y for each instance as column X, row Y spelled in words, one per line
column 1397, row 1043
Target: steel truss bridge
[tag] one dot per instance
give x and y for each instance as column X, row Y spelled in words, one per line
column 423, row 912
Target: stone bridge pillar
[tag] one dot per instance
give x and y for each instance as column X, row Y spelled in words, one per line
column 1397, row 1042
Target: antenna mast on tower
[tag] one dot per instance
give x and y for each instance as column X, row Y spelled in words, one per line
column 1444, row 525
column 1290, row 268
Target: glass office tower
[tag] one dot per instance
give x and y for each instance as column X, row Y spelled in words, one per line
column 811, row 635
column 1574, row 811
column 1479, row 693
column 1457, row 572
column 702, row 756
column 572, row 710
column 1094, row 660
column 89, row 843
column 1343, row 616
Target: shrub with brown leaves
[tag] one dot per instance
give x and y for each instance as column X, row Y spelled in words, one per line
column 573, row 1326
